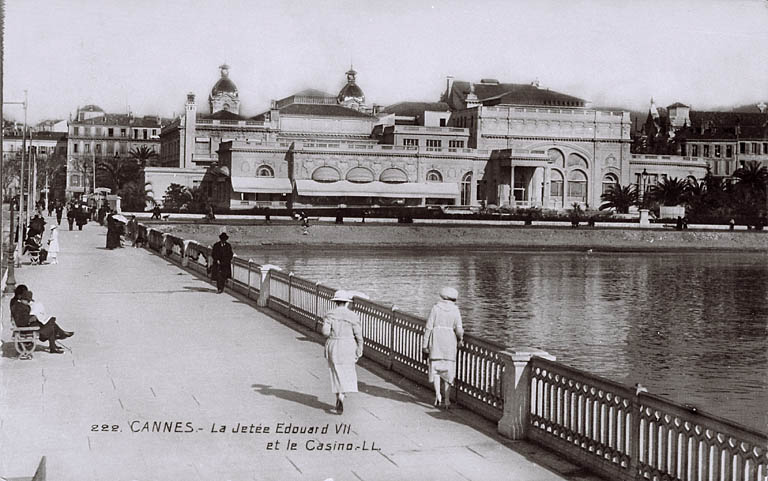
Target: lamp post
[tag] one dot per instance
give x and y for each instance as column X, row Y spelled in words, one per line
column 644, row 180
column 11, row 260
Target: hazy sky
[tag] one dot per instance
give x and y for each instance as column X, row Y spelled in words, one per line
column 147, row 54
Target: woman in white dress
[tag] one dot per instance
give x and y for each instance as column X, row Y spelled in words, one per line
column 53, row 245
column 442, row 337
column 344, row 346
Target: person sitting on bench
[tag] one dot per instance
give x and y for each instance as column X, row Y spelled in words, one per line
column 21, row 311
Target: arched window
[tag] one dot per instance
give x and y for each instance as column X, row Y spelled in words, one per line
column 265, row 171
column 577, row 186
column 360, row 175
column 556, row 184
column 326, row 174
column 393, row 176
column 434, row 176
column 466, row 189
column 576, row 161
column 556, row 157
column 608, row 181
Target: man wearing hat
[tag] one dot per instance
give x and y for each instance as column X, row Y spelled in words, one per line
column 222, row 254
column 49, row 331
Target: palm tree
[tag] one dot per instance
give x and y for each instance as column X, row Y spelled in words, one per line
column 619, row 198
column 752, row 177
column 143, row 156
column 118, row 172
column 669, row 191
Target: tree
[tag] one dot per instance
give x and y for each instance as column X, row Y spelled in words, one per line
column 752, row 178
column 619, row 198
column 176, row 196
column 669, row 191
column 143, row 156
column 135, row 198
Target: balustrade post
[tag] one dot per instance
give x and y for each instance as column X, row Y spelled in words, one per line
column 317, row 305
column 516, row 386
column 248, row 293
column 391, row 346
column 634, row 437
column 163, row 249
column 290, row 301
column 184, row 260
column 266, row 279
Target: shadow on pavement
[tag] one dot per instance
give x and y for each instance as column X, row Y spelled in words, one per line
column 200, row 289
column 378, row 391
column 297, row 397
column 9, row 351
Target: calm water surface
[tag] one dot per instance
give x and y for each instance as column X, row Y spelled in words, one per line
column 691, row 327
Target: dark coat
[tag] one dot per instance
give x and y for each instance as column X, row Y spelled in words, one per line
column 222, row 259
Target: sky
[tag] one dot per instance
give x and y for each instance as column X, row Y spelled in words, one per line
column 146, row 55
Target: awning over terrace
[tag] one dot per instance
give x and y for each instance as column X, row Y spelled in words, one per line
column 342, row 188
column 261, row 185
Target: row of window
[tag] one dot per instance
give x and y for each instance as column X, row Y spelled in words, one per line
column 110, row 132
column 453, row 144
column 706, row 150
column 110, row 148
column 39, row 149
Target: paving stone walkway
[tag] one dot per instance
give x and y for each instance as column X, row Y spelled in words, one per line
column 166, row 380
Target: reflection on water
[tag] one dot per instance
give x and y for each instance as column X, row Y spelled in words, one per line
column 691, row 327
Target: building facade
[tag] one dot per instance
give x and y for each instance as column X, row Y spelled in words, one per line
column 98, row 136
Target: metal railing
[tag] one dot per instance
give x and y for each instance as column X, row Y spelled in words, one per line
column 609, row 427
column 627, row 435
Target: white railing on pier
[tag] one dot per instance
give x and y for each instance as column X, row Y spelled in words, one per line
column 630, row 435
column 611, row 428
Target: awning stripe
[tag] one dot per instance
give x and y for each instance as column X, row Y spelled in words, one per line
column 262, row 185
column 344, row 188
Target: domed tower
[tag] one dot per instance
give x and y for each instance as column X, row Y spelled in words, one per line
column 224, row 95
column 351, row 95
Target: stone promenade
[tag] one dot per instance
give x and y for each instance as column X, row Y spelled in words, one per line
column 166, row 380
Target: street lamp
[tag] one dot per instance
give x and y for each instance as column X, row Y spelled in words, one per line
column 644, row 183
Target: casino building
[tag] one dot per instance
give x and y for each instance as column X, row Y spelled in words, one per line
column 516, row 145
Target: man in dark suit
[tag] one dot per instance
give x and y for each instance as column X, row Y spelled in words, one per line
column 222, row 254
column 50, row 331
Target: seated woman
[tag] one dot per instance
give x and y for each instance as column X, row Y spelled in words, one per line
column 23, row 314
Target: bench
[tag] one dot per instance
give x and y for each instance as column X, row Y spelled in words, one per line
column 24, row 339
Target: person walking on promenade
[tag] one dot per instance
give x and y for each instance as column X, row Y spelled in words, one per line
column 21, row 310
column 344, row 346
column 442, row 336
column 53, row 245
column 59, row 212
column 81, row 216
column 221, row 269
column 155, row 213
column 71, row 215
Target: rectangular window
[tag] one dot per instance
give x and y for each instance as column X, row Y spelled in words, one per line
column 556, row 188
column 755, row 148
column 718, row 151
column 87, row 131
column 442, row 122
column 154, row 132
column 111, row 132
column 694, row 150
column 577, row 190
column 412, row 142
column 728, row 151
column 146, row 134
column 75, row 130
column 434, row 143
column 87, row 148
column 456, row 144
column 98, row 148
column 706, row 151
column 123, row 132
column 765, row 147
column 742, row 147
column 135, row 133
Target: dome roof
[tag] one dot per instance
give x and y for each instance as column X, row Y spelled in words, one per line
column 224, row 84
column 351, row 91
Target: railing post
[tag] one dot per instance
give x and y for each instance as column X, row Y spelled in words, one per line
column 290, row 288
column 391, row 346
column 317, row 305
column 184, row 260
column 248, row 293
column 516, row 386
column 634, row 438
column 266, row 278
